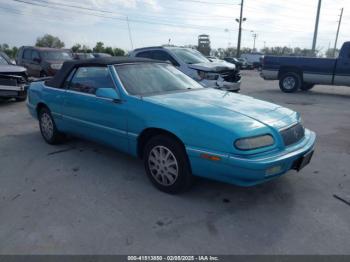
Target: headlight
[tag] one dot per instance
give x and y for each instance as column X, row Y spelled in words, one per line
column 251, row 143
column 56, row 66
column 205, row 75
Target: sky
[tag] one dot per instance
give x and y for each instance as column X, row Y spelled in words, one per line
column 154, row 22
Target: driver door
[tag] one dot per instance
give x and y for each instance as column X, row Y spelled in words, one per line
column 93, row 117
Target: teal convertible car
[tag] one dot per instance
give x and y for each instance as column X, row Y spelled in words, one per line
column 151, row 110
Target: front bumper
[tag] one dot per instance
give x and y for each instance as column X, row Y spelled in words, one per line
column 223, row 85
column 249, row 171
column 13, row 91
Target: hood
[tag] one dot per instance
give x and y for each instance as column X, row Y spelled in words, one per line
column 12, row 69
column 227, row 110
column 213, row 66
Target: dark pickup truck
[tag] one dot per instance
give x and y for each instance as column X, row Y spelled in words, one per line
column 303, row 73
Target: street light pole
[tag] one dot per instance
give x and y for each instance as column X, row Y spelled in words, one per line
column 316, row 26
column 241, row 19
column 336, row 38
column 255, row 35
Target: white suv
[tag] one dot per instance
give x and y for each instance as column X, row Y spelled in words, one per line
column 221, row 75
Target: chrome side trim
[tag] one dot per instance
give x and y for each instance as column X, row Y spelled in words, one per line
column 317, row 78
column 205, row 152
column 95, row 125
column 269, row 74
column 54, row 88
column 119, row 131
column 133, row 134
column 342, row 80
column 80, row 93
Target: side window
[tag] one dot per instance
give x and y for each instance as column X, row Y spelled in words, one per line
column 35, row 55
column 146, row 54
column 164, row 56
column 27, row 54
column 89, row 79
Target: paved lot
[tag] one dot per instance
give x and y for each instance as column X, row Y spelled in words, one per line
column 84, row 198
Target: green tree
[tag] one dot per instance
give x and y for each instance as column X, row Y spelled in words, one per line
column 11, row 52
column 118, row 52
column 109, row 50
column 331, row 54
column 76, row 48
column 49, row 41
column 99, row 47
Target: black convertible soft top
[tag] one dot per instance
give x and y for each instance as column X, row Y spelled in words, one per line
column 58, row 80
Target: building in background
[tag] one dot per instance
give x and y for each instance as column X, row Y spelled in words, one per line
column 204, row 44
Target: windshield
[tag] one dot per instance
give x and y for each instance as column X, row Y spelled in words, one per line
column 190, row 56
column 57, row 55
column 3, row 61
column 153, row 78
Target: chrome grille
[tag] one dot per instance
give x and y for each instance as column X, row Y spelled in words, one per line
column 292, row 134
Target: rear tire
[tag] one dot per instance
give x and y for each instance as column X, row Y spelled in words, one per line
column 306, row 86
column 290, row 82
column 48, row 127
column 167, row 164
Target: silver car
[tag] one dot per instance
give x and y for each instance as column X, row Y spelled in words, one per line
column 221, row 75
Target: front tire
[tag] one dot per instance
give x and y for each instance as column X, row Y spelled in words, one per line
column 48, row 127
column 167, row 164
column 290, row 82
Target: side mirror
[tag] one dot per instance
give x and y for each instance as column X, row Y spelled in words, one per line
column 108, row 93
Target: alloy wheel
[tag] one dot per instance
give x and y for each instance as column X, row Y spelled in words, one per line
column 46, row 125
column 163, row 165
column 289, row 82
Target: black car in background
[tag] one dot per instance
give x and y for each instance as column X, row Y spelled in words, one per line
column 42, row 62
column 13, row 79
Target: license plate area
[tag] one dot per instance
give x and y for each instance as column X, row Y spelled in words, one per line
column 303, row 161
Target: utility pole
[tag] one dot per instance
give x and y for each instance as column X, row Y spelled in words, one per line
column 336, row 38
column 316, row 26
column 240, row 20
column 255, row 35
column 130, row 37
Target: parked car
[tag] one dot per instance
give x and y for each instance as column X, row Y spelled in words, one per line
column 80, row 56
column 13, row 79
column 99, row 55
column 219, row 75
column 245, row 64
column 254, row 58
column 180, row 129
column 42, row 61
column 303, row 73
column 234, row 61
